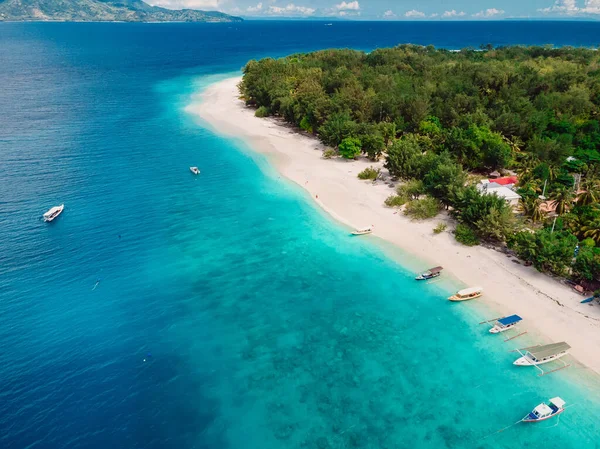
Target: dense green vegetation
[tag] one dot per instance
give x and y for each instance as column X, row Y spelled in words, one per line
column 423, row 208
column 466, row 235
column 440, row 117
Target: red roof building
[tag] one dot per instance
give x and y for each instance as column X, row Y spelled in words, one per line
column 507, row 180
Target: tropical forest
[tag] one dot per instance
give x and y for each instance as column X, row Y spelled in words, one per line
column 442, row 121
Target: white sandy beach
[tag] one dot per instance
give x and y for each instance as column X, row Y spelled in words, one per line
column 552, row 311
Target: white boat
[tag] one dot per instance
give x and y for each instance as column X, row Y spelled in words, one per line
column 195, row 170
column 53, row 212
column 467, row 294
column 543, row 412
column 504, row 324
column 363, row 231
column 538, row 355
column 430, row 274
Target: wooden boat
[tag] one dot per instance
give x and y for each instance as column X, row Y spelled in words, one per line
column 430, row 274
column 543, row 412
column 538, row 355
column 363, row 231
column 506, row 323
column 195, row 170
column 53, row 212
column 467, row 294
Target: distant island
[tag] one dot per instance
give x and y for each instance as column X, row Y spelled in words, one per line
column 102, row 11
column 507, row 139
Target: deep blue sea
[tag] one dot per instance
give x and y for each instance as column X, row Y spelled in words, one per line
column 224, row 311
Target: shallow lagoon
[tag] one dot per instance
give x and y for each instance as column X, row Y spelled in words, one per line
column 268, row 326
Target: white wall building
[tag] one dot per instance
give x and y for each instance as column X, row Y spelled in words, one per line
column 490, row 188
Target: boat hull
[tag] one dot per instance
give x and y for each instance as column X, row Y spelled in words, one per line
column 530, row 420
column 455, row 298
column 526, row 361
column 48, row 217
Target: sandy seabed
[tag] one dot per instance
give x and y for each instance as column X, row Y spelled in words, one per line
column 551, row 311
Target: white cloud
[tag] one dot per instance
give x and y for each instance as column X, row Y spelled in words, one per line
column 491, row 12
column 562, row 6
column 186, row 4
column 453, row 13
column 350, row 6
column 592, row 7
column 291, row 9
column 389, row 13
column 435, row 14
column 413, row 13
column 569, row 7
column 256, row 8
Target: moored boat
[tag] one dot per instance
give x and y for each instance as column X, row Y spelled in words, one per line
column 430, row 274
column 195, row 170
column 363, row 231
column 53, row 212
column 506, row 323
column 545, row 411
column 467, row 294
column 538, row 355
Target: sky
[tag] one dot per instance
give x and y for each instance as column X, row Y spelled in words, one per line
column 397, row 9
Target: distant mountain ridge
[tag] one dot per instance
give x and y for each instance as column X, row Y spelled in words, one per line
column 102, row 11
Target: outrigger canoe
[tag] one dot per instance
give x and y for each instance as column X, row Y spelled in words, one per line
column 538, row 355
column 504, row 324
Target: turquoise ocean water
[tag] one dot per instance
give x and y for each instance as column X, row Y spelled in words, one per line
column 230, row 312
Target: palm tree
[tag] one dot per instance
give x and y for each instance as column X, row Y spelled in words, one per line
column 574, row 223
column 533, row 209
column 589, row 194
column 527, row 163
column 562, row 198
column 553, row 172
column 515, row 144
column 592, row 231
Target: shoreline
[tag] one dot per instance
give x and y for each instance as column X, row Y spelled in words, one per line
column 551, row 311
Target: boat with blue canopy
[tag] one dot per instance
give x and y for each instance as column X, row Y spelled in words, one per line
column 506, row 323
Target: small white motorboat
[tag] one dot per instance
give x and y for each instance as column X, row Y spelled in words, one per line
column 53, row 212
column 195, row 170
column 363, row 231
column 545, row 411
